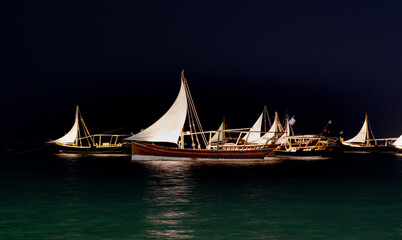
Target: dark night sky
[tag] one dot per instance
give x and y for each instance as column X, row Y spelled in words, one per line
column 121, row 62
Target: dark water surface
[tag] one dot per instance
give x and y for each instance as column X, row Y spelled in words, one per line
column 64, row 197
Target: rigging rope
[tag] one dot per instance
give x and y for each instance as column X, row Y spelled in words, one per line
column 190, row 127
column 194, row 112
column 86, row 131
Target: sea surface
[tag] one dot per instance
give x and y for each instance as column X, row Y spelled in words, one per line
column 45, row 196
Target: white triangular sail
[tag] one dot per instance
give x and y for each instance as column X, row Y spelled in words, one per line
column 361, row 137
column 219, row 135
column 255, row 131
column 71, row 136
column 168, row 128
column 398, row 143
column 275, row 129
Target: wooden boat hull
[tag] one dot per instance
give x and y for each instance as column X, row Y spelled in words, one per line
column 148, row 151
column 314, row 153
column 94, row 150
column 347, row 148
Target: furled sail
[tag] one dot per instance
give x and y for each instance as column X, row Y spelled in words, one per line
column 255, row 131
column 71, row 136
column 361, row 137
column 398, row 143
column 273, row 132
column 218, row 136
column 168, row 128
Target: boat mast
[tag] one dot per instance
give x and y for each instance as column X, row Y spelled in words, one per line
column 78, row 139
column 367, row 132
column 266, row 115
column 370, row 130
column 193, row 116
column 223, row 132
column 85, row 130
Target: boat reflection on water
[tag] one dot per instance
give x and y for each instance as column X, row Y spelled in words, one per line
column 170, row 196
column 281, row 158
column 181, row 194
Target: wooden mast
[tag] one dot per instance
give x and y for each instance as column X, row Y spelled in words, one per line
column 78, row 129
column 367, row 132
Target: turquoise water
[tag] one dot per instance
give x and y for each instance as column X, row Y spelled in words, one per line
column 61, row 197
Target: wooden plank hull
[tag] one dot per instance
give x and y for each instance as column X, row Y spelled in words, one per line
column 93, row 150
column 378, row 148
column 148, row 151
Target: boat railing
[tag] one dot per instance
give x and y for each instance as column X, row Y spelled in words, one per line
column 237, row 142
column 307, row 142
column 105, row 140
column 382, row 142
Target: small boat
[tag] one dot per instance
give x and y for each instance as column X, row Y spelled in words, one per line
column 312, row 145
column 365, row 141
column 242, row 137
column 151, row 143
column 220, row 137
column 307, row 145
column 270, row 137
column 79, row 140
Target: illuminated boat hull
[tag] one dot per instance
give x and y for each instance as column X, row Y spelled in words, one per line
column 147, row 151
column 94, row 150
